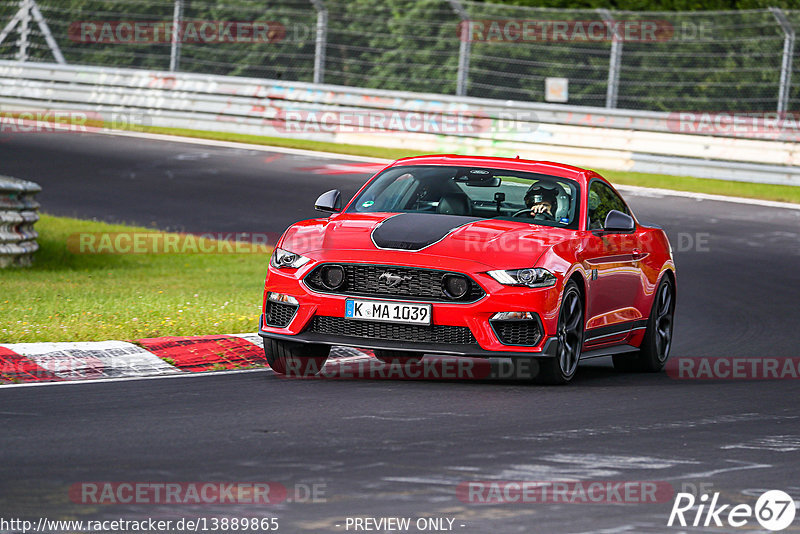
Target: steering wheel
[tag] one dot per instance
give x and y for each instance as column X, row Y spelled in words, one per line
column 520, row 212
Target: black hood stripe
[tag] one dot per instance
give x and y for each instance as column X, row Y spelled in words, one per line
column 415, row 231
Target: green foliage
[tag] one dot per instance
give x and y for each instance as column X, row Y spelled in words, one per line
column 708, row 60
column 657, row 5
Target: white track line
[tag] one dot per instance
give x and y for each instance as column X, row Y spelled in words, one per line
column 244, row 146
column 182, row 374
column 178, row 374
column 336, row 156
column 652, row 191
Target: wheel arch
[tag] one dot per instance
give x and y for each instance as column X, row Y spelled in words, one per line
column 667, row 272
column 577, row 277
column 670, row 274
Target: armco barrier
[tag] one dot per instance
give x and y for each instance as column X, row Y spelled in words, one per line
column 18, row 214
column 593, row 137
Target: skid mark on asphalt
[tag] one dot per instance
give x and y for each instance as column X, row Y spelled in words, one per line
column 436, row 481
column 192, row 156
column 581, row 433
column 740, row 466
column 387, row 418
column 769, row 443
column 616, row 462
column 344, row 168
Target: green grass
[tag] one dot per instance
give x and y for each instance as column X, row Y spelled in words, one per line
column 88, row 297
column 305, row 144
column 784, row 193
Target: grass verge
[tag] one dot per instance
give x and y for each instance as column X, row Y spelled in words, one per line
column 782, row 193
column 89, row 297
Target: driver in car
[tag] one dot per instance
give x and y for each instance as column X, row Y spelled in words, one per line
column 542, row 202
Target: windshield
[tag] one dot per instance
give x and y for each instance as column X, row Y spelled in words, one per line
column 472, row 191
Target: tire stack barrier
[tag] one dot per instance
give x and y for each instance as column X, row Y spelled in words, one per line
column 18, row 214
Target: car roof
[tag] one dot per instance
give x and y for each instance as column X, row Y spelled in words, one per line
column 514, row 164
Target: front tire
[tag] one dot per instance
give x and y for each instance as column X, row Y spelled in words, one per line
column 654, row 351
column 561, row 369
column 291, row 358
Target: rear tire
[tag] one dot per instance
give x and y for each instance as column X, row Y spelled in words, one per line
column 292, row 358
column 402, row 357
column 654, row 351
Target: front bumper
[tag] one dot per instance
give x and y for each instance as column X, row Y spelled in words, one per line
column 548, row 348
column 473, row 316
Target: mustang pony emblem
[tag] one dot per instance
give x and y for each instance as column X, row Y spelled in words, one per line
column 392, row 280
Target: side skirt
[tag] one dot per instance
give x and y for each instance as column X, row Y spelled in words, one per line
column 608, row 351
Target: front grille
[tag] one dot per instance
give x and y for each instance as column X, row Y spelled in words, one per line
column 527, row 333
column 408, row 333
column 280, row 314
column 418, row 284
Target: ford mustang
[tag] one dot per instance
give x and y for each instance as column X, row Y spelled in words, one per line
column 473, row 257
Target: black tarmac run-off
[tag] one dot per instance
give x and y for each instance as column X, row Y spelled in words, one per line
column 400, row 448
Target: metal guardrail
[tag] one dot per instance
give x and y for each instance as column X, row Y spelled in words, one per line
column 741, row 59
column 18, row 214
column 594, row 137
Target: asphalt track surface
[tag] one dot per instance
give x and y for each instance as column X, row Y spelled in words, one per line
column 396, row 447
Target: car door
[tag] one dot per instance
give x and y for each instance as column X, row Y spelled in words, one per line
column 613, row 259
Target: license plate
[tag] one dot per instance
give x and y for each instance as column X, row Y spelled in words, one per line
column 390, row 312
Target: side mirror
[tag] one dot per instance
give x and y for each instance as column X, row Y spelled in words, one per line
column 330, row 202
column 616, row 221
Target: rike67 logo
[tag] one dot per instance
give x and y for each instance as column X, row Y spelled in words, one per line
column 774, row 510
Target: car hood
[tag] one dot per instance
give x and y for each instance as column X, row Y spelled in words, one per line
column 492, row 242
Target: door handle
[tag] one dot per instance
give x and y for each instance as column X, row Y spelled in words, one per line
column 638, row 254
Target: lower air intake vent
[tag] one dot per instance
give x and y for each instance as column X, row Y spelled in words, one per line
column 449, row 335
column 280, row 314
column 521, row 333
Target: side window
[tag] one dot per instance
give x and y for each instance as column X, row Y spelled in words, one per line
column 603, row 199
column 391, row 195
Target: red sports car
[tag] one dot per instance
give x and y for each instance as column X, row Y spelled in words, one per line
column 477, row 257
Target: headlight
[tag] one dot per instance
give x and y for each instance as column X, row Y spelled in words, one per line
column 534, row 277
column 282, row 259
